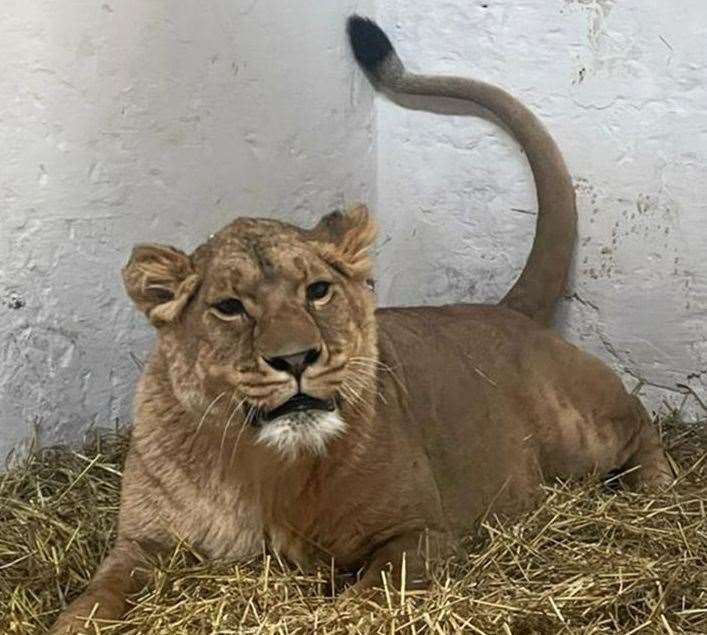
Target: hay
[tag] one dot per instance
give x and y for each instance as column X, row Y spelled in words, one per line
column 589, row 560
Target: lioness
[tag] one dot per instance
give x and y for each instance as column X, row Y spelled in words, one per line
column 280, row 406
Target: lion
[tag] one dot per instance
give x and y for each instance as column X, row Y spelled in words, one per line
column 279, row 407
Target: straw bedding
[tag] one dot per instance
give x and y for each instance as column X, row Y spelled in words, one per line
column 592, row 559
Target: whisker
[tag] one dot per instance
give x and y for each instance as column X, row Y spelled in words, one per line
column 355, row 399
column 203, row 418
column 250, row 417
column 349, row 398
column 382, row 366
column 364, row 368
column 247, row 420
column 244, row 424
column 362, row 385
column 227, row 426
column 372, row 361
column 347, row 392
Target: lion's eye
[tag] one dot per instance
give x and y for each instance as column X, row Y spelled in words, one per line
column 318, row 290
column 229, row 308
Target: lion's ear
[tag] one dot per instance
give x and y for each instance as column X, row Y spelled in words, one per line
column 346, row 239
column 160, row 280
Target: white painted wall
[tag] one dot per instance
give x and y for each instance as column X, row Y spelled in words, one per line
column 125, row 121
column 623, row 88
column 129, row 121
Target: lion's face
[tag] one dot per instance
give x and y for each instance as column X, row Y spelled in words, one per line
column 267, row 323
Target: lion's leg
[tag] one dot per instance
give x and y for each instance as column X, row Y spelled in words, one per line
column 404, row 561
column 648, row 465
column 124, row 571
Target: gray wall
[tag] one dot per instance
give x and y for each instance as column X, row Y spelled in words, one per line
column 150, row 121
column 129, row 121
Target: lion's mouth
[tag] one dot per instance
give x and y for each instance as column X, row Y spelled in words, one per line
column 299, row 403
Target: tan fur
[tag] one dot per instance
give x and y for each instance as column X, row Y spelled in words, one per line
column 452, row 413
column 460, row 411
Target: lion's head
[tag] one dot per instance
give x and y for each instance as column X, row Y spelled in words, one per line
column 267, row 322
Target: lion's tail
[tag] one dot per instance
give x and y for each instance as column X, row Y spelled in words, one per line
column 544, row 277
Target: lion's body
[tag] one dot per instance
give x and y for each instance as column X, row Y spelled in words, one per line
column 497, row 404
column 476, row 406
column 279, row 408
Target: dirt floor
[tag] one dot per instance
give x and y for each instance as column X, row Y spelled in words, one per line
column 592, row 559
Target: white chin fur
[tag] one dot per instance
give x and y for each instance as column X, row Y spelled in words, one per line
column 306, row 432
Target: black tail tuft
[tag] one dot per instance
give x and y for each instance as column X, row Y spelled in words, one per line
column 369, row 43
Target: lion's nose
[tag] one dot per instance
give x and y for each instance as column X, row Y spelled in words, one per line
column 296, row 363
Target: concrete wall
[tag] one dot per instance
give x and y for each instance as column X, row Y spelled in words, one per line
column 621, row 85
column 129, row 121
column 126, row 121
